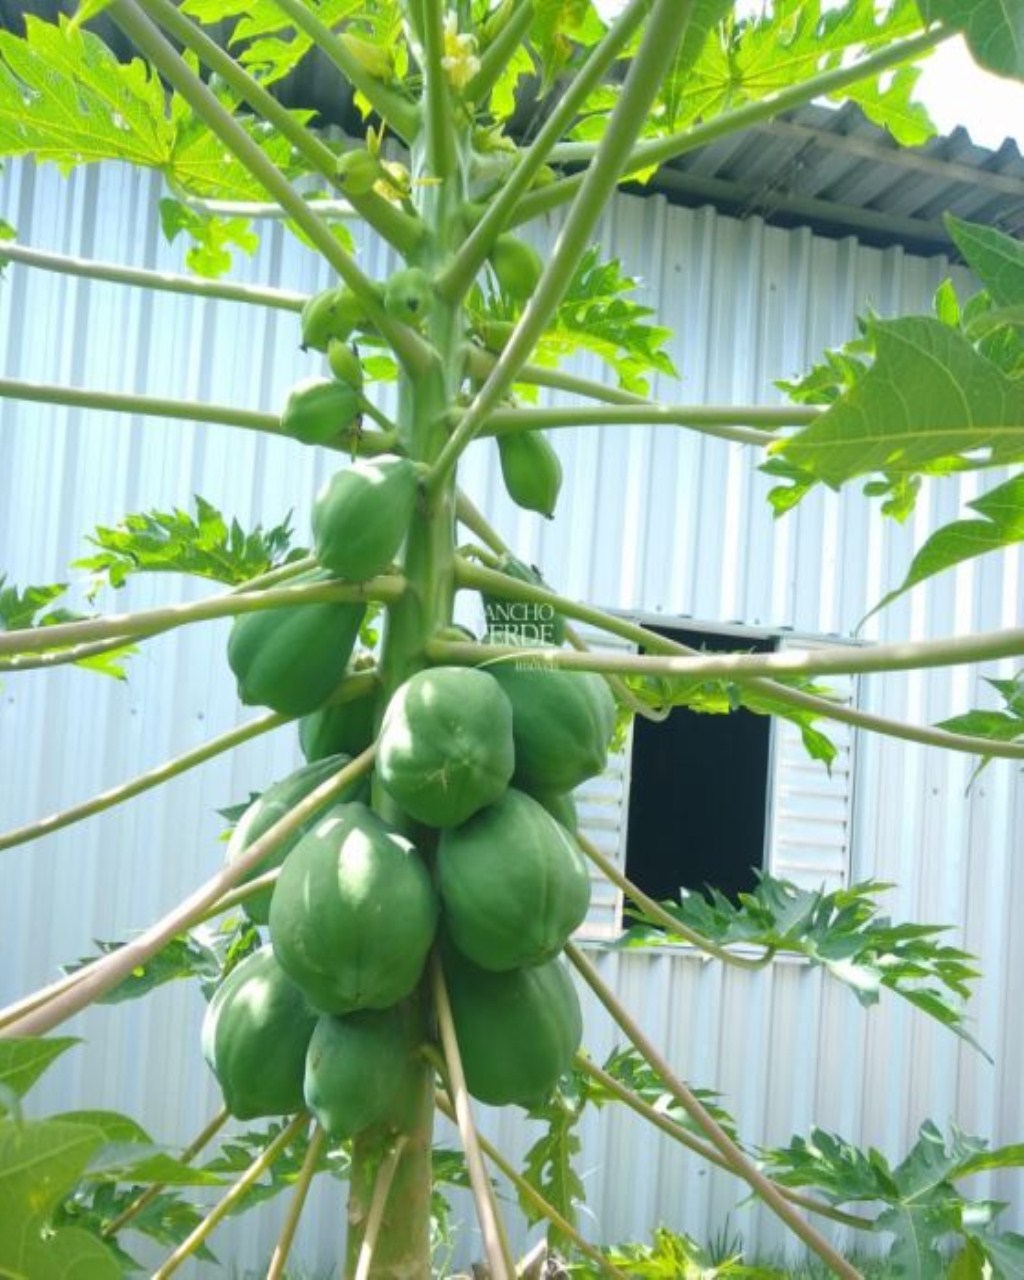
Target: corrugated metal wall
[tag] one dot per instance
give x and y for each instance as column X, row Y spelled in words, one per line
column 655, row 520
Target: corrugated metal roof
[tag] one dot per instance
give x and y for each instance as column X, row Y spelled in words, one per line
column 829, row 169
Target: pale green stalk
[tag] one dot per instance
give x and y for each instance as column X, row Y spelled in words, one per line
column 439, row 135
column 659, row 151
column 499, row 52
column 205, row 1136
column 366, row 443
column 702, row 1148
column 160, row 281
column 407, row 345
column 733, row 1156
column 656, row 912
column 147, row 622
column 142, row 782
column 498, row 1259
column 482, row 579
column 391, row 223
column 652, row 59
column 291, row 1223
column 255, row 1171
column 397, row 111
column 378, row 1203
column 456, row 278
column 712, row 421
column 104, row 974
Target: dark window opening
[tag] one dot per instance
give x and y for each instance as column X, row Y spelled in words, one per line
column 699, row 792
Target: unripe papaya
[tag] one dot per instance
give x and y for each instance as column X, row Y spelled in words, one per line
column 513, row 884
column 517, row 265
column 445, row 747
column 293, row 658
column 531, row 471
column 353, row 913
column 562, row 807
column 362, row 514
column 318, row 409
column 361, row 1071
column 274, row 804
column 357, row 172
column 517, row 1031
column 561, row 723
column 255, row 1034
column 345, row 364
column 517, row 621
column 346, row 727
column 332, row 313
column 409, row 295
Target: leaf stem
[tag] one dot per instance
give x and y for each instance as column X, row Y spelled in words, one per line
column 396, row 111
column 407, row 345
column 665, row 918
column 146, row 622
column 205, row 1136
column 534, row 1197
column 105, row 973
column 378, row 1203
column 459, row 274
column 734, row 1157
column 366, row 442
column 224, row 1206
column 142, row 782
column 284, row 1242
column 667, row 20
column 496, row 57
column 709, row 419
column 659, row 151
column 498, row 1258
column 702, row 1148
column 161, row 281
column 439, row 141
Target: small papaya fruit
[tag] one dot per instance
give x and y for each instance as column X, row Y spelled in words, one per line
column 562, row 807
column 345, row 364
column 332, row 313
column 445, row 747
column 362, row 514
column 353, row 913
column 519, row 621
column 346, row 727
column 255, row 1035
column 357, row 172
column 531, row 471
column 318, row 409
column 409, row 295
column 516, row 264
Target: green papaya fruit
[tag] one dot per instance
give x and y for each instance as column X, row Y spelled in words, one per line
column 531, row 471
column 519, row 622
column 274, row 804
column 561, row 724
column 517, row 265
column 409, row 295
column 293, row 658
column 345, row 364
column 255, row 1034
column 357, row 172
column 513, row 885
column 445, row 747
column 353, row 913
column 319, row 409
column 347, row 727
column 562, row 807
column 362, row 514
column 361, row 1070
column 517, row 1031
column 331, row 314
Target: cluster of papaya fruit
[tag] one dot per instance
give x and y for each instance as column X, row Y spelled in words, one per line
column 482, row 765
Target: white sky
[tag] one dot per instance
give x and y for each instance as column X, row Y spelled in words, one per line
column 952, row 87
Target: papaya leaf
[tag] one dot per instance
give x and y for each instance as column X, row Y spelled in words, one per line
column 842, row 931
column 929, row 403
column 24, row 1059
column 1001, row 525
column 627, row 1066
column 21, row 610
column 993, row 29
column 1005, row 1252
column 129, row 1154
column 998, row 726
column 212, row 237
column 203, row 546
column 671, row 1256
column 167, row 1219
column 238, row 1151
column 994, row 257
column 560, row 34
column 550, row 1163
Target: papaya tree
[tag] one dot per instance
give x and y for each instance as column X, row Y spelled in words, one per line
column 441, row 766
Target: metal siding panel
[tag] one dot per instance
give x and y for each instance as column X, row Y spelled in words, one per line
column 639, row 527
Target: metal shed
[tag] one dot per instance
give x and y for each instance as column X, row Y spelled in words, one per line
column 640, row 531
